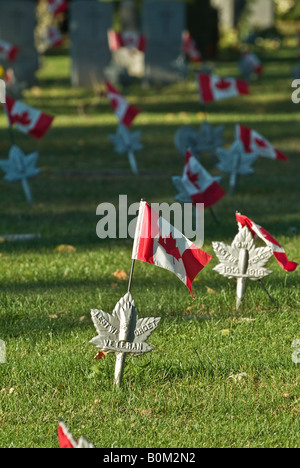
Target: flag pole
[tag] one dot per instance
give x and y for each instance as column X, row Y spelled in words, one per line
column 131, row 275
column 120, row 357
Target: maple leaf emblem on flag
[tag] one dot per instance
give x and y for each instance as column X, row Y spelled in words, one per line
column 193, row 177
column 22, row 119
column 170, row 246
column 223, row 84
column 260, row 143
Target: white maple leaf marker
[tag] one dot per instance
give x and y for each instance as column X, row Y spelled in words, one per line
column 242, row 260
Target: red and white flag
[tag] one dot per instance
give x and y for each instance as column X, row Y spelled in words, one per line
column 253, row 62
column 161, row 244
column 278, row 250
column 58, row 6
column 214, row 88
column 129, row 39
column 255, row 143
column 189, row 48
column 8, row 51
column 28, row 119
column 199, row 184
column 67, row 441
column 54, row 37
column 123, row 110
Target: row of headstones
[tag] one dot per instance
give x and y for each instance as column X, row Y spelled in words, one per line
column 162, row 23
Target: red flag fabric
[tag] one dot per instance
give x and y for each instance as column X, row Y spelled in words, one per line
column 278, row 250
column 159, row 243
column 58, row 6
column 125, row 112
column 189, row 48
column 129, row 39
column 8, row 51
column 199, row 184
column 65, row 438
column 214, row 88
column 28, row 119
column 255, row 143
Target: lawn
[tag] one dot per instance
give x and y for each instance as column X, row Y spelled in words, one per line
column 217, row 377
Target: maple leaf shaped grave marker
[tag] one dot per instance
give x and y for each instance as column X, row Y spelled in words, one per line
column 127, row 142
column 242, row 261
column 19, row 167
column 235, row 162
column 122, row 332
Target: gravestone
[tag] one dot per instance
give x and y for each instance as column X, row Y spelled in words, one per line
column 163, row 23
column 127, row 62
column 17, row 25
column 90, row 54
column 262, row 13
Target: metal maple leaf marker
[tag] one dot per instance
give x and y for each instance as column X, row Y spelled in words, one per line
column 19, row 167
column 235, row 162
column 127, row 142
column 242, row 260
column 207, row 140
column 122, row 332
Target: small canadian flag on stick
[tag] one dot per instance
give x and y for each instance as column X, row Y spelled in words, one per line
column 125, row 112
column 58, row 6
column 161, row 244
column 265, row 236
column 255, row 143
column 28, row 119
column 214, row 88
column 8, row 51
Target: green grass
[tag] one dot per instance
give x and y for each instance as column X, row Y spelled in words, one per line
column 186, row 393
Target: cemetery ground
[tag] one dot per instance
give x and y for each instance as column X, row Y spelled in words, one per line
column 217, row 377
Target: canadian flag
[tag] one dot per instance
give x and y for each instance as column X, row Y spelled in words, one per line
column 123, row 110
column 254, row 63
column 58, row 6
column 161, row 244
column 28, row 119
column 67, row 441
column 199, row 184
column 278, row 251
column 54, row 37
column 214, row 88
column 129, row 39
column 255, row 143
column 190, row 49
column 8, row 51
